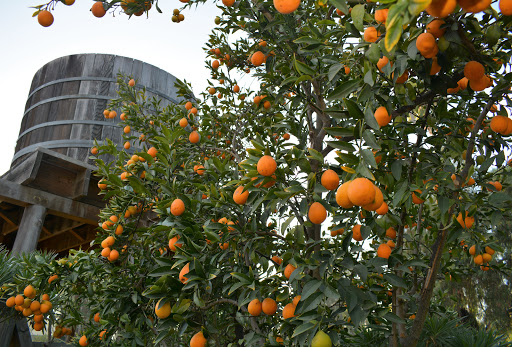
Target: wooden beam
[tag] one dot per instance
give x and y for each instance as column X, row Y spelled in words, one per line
column 46, row 231
column 7, row 219
column 30, row 229
column 75, row 245
column 80, row 238
column 11, row 230
column 62, row 231
column 20, row 195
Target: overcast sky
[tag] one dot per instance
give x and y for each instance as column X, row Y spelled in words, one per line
column 27, row 46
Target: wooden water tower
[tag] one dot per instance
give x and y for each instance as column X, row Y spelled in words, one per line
column 49, row 197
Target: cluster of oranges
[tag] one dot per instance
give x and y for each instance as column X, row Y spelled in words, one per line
column 501, row 125
column 34, row 309
column 267, row 306
column 482, row 259
column 361, row 192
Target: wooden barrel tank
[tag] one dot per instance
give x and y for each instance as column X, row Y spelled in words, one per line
column 64, row 109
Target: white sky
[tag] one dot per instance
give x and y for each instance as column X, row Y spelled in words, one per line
column 27, row 46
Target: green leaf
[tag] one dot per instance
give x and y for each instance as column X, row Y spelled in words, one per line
column 370, row 119
column 339, row 131
column 137, row 185
column 344, row 89
column 316, row 155
column 346, row 146
column 395, row 281
column 303, row 328
column 353, row 109
column 444, row 203
column 340, row 4
column 309, row 288
column 417, row 6
column 303, row 69
column 333, row 70
column 369, row 158
column 362, row 271
column 357, row 15
column 400, row 193
column 287, row 223
column 394, row 24
column 396, row 169
column 308, row 40
column 160, row 271
column 390, row 316
column 370, row 139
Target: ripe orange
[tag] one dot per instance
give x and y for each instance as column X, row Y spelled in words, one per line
column 52, row 278
column 481, row 84
column 317, row 213
column 173, row 243
column 45, row 18
column 384, row 251
column 381, row 15
column 113, row 256
column 479, row 260
column 383, row 209
column 382, row 116
column 215, row 64
column 198, row 340
column 35, row 306
column 474, row 6
column 276, row 259
column 361, row 191
column 228, row 3
column 286, row 6
column 497, row 185
column 239, row 196
column 254, row 308
column 11, row 302
column 330, row 179
column 131, row 83
column 489, row 250
column 473, row 70
column 347, row 70
column 29, row 292
column 391, row 244
column 97, row 317
column 98, row 10
column 441, row 8
column 289, row 311
column 194, row 137
column 342, row 196
column 499, row 124
column 425, row 43
column 267, row 104
column 38, row 318
column 257, row 58
column 266, row 166
column 236, row 88
column 45, row 307
column 506, row 7
column 467, row 222
column 163, row 311
column 356, row 233
column 486, row 257
column 391, row 233
column 83, row 341
column 383, row 61
column 152, row 152
column 377, row 202
column 415, row 199
column 296, row 300
column 185, row 270
column 435, row 29
column 288, row 270
column 435, row 67
column 183, row 122
column 19, row 300
column 177, row 207
column 402, row 78
column 371, row 34
column 269, row 306
column 286, row 136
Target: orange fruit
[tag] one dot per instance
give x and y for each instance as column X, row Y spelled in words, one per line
column 435, row 67
column 177, row 207
column 38, row 326
column 435, row 29
column 198, row 340
column 286, row 6
column 266, row 166
column 474, row 6
column 109, row 241
column 276, row 259
column 317, row 213
column 211, row 90
column 481, row 84
column 286, row 136
column 183, row 122
column 45, row 308
column 391, row 244
column 377, row 202
column 236, row 89
column 269, row 306
column 228, row 3
column 185, row 270
column 330, row 179
column 489, row 250
column 288, row 270
column 382, row 116
column 194, row 137
column 173, row 243
column 266, row 105
column 486, row 257
column 188, row 105
column 391, row 233
column 152, row 152
column 499, row 124
column 113, row 256
column 473, row 70
column 35, row 305
column 239, row 196
column 342, row 196
column 257, row 58
column 467, row 222
column 163, row 311
column 463, row 83
column 83, row 341
column 415, row 199
column 381, row 15
column 426, row 42
column 384, row 251
column 441, row 8
column 215, row 64
column 506, row 7
column 254, row 308
column 371, row 34
column 98, row 10
column 361, row 191
column 479, row 260
column 29, row 291
column 289, row 311
column 383, row 61
column 497, row 185
column 199, row 169
column 296, row 300
column 38, row 318
column 403, row 78
column 131, row 82
column 11, row 302
column 45, row 18
column 383, row 209
column 356, row 233
column 97, row 317
column 119, row 230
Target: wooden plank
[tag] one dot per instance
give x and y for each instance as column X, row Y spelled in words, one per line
column 29, row 229
column 8, row 220
column 80, row 238
column 60, row 232
column 22, row 196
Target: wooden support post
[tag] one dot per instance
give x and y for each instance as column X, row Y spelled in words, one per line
column 29, row 229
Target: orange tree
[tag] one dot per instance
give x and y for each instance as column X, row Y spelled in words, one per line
column 217, row 227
